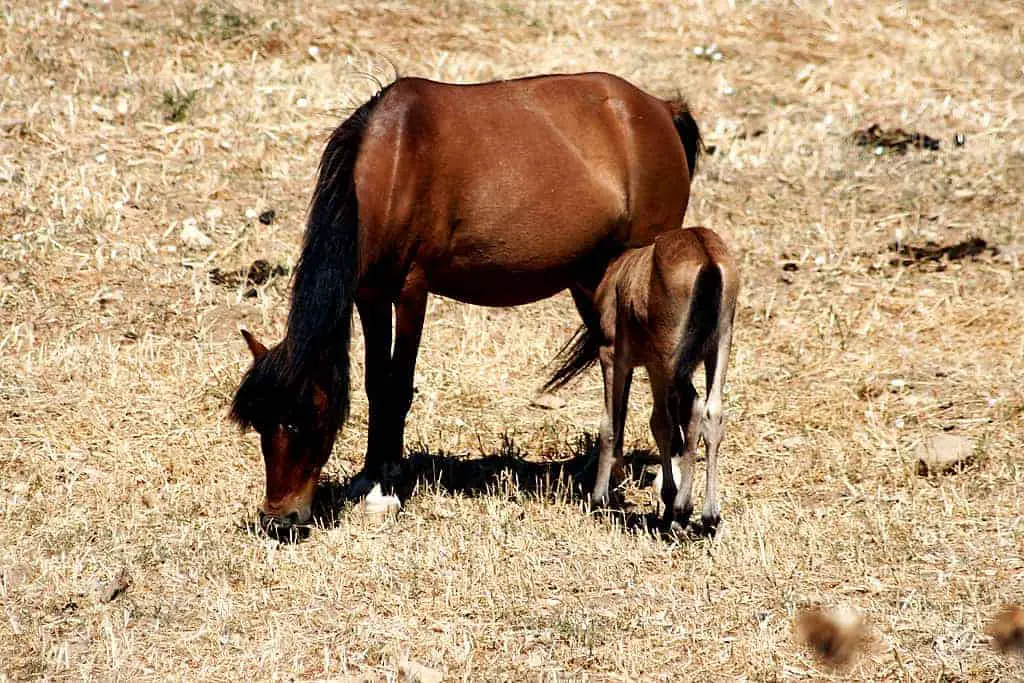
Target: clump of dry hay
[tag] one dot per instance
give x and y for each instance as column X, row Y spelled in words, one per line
column 122, row 123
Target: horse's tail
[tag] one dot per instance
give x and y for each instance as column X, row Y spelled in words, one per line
column 320, row 320
column 703, row 322
column 689, row 133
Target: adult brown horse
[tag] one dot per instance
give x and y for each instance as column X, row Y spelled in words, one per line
column 495, row 194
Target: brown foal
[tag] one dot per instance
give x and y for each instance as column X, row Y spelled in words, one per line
column 495, row 194
column 668, row 307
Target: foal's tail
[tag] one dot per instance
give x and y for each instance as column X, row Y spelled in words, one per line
column 689, row 133
column 578, row 354
column 703, row 322
column 320, row 320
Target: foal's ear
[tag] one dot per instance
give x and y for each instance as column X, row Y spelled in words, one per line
column 255, row 347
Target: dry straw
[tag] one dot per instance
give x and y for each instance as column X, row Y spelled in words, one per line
column 122, row 123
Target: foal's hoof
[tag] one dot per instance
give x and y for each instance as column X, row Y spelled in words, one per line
column 376, row 503
column 683, row 516
column 709, row 524
column 672, row 530
column 676, row 518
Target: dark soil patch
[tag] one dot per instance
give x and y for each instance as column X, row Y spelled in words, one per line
column 931, row 252
column 259, row 273
column 897, row 140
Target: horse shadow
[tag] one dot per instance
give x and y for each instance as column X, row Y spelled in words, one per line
column 563, row 478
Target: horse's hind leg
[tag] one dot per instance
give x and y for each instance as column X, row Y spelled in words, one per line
column 712, row 428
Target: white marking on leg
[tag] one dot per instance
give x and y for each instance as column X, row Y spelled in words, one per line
column 361, row 485
column 377, row 503
column 599, row 496
column 712, row 428
column 661, row 426
column 690, row 416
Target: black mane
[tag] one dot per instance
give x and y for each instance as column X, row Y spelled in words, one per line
column 315, row 349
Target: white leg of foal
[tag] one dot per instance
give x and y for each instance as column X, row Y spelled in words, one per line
column 605, row 457
column 712, row 427
column 689, row 417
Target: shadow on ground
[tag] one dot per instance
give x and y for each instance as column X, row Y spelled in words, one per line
column 561, row 478
column 506, row 473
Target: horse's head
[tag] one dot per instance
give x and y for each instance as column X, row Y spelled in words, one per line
column 296, row 431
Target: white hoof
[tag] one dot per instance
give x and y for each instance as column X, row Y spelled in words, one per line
column 376, row 503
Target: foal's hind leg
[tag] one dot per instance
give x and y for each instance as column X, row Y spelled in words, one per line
column 712, row 429
column 689, row 407
column 665, row 429
column 617, row 380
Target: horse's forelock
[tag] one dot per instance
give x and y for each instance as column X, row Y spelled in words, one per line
column 274, row 391
column 261, row 394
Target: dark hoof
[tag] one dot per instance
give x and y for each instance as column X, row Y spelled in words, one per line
column 675, row 532
column 599, row 502
column 683, row 516
column 677, row 517
column 709, row 525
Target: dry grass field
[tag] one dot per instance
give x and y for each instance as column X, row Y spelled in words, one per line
column 123, row 123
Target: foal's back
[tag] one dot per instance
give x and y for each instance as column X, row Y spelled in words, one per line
column 656, row 284
column 680, row 255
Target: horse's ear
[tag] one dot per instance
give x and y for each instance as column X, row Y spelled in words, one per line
column 255, row 347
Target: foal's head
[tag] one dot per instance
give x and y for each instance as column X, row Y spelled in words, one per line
column 293, row 418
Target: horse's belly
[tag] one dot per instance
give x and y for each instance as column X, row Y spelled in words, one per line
column 497, row 287
column 507, row 259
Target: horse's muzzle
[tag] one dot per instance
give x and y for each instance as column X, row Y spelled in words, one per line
column 275, row 526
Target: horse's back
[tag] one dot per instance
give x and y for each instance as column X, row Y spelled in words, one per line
column 516, row 178
column 578, row 127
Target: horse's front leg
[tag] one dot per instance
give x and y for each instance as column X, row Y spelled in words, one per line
column 410, row 309
column 375, row 317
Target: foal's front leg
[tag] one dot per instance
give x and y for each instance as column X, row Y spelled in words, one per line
column 665, row 429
